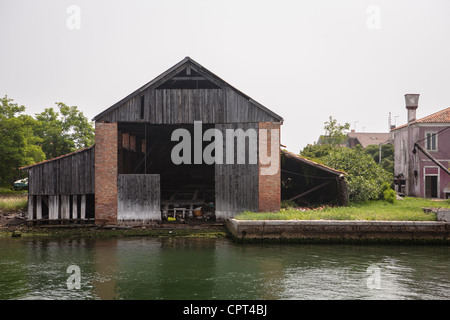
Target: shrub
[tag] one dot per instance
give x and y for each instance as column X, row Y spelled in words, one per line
column 389, row 195
column 365, row 177
column 288, row 204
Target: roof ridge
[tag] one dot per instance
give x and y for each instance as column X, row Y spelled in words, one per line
column 430, row 116
column 173, row 69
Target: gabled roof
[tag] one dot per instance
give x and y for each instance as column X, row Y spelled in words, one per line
column 366, row 138
column 171, row 72
column 442, row 116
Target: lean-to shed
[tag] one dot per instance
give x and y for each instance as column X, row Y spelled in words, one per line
column 311, row 183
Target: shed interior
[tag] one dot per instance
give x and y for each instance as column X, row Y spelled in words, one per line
column 186, row 189
column 309, row 184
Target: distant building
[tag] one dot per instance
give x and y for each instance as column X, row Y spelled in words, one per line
column 422, row 154
column 365, row 139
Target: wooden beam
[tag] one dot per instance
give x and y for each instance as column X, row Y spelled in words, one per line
column 53, row 209
column 187, row 78
column 75, row 206
column 39, row 207
column 83, row 207
column 311, row 190
column 65, row 207
column 30, row 207
column 425, row 152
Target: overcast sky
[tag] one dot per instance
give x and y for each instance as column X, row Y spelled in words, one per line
column 305, row 60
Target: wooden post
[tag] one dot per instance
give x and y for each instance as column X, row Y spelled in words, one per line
column 30, row 207
column 53, row 207
column 65, row 207
column 75, row 207
column 38, row 207
column 83, row 207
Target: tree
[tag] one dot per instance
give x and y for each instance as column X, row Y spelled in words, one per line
column 63, row 132
column 387, row 155
column 334, row 132
column 365, row 177
column 317, row 152
column 18, row 146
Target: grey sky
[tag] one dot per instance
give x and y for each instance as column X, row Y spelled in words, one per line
column 305, row 60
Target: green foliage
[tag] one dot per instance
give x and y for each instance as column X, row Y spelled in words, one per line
column 387, row 193
column 63, row 132
column 387, row 155
column 288, row 204
column 364, row 178
column 334, row 132
column 18, row 146
column 26, row 140
column 316, row 152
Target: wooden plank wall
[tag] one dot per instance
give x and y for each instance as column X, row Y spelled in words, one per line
column 73, row 174
column 138, row 197
column 236, row 185
column 175, row 106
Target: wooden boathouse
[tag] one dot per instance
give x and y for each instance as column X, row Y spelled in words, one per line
column 129, row 175
column 62, row 189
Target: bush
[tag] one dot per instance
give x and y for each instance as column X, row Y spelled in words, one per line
column 365, row 177
column 288, row 204
column 389, row 195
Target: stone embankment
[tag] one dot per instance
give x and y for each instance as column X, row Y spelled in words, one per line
column 338, row 231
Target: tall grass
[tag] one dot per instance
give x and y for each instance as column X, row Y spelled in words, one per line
column 408, row 209
column 12, row 201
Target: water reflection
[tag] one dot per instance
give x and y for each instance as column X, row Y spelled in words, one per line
column 187, row 269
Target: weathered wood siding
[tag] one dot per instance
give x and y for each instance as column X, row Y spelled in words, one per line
column 138, row 197
column 236, row 185
column 176, row 106
column 69, row 175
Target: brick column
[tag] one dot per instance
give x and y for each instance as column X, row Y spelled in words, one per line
column 269, row 174
column 106, row 173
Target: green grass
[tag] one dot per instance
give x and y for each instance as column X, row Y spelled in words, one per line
column 408, row 209
column 13, row 202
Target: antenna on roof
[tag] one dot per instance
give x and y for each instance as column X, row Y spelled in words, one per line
column 389, row 122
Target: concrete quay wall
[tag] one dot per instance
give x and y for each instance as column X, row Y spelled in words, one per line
column 338, row 230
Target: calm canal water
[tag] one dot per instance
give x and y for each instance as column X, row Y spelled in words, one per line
column 186, row 269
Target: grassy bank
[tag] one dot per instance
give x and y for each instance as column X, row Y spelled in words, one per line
column 12, row 201
column 408, row 209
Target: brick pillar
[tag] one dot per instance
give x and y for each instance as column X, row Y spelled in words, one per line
column 106, row 173
column 269, row 174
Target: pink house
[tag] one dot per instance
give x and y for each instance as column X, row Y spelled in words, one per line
column 422, row 153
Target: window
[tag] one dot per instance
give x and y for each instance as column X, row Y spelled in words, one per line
column 431, row 141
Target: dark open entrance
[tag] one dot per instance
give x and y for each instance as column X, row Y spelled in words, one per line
column 187, row 190
column 310, row 184
column 431, row 186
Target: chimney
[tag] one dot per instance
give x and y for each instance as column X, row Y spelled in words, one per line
column 412, row 102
